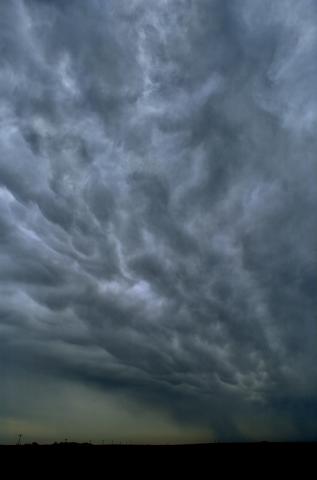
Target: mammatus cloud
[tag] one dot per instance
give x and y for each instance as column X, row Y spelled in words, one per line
column 157, row 209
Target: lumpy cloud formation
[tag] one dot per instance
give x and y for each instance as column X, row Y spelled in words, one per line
column 157, row 205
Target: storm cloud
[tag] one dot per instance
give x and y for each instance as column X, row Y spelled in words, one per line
column 158, row 192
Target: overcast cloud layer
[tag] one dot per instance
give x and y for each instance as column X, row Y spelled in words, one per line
column 158, row 192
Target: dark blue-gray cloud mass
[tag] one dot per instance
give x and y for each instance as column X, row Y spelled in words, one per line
column 158, row 189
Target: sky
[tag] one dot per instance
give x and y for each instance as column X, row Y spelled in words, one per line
column 158, row 232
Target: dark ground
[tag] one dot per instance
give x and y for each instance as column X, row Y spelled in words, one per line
column 262, row 458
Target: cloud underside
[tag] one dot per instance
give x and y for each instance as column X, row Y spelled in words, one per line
column 157, row 207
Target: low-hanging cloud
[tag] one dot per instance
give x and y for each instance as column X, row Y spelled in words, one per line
column 158, row 186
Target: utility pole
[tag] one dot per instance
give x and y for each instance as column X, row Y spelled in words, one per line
column 19, row 439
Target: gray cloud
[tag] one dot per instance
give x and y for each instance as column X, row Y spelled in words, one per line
column 157, row 193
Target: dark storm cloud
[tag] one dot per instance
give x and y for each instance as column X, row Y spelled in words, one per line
column 157, row 222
